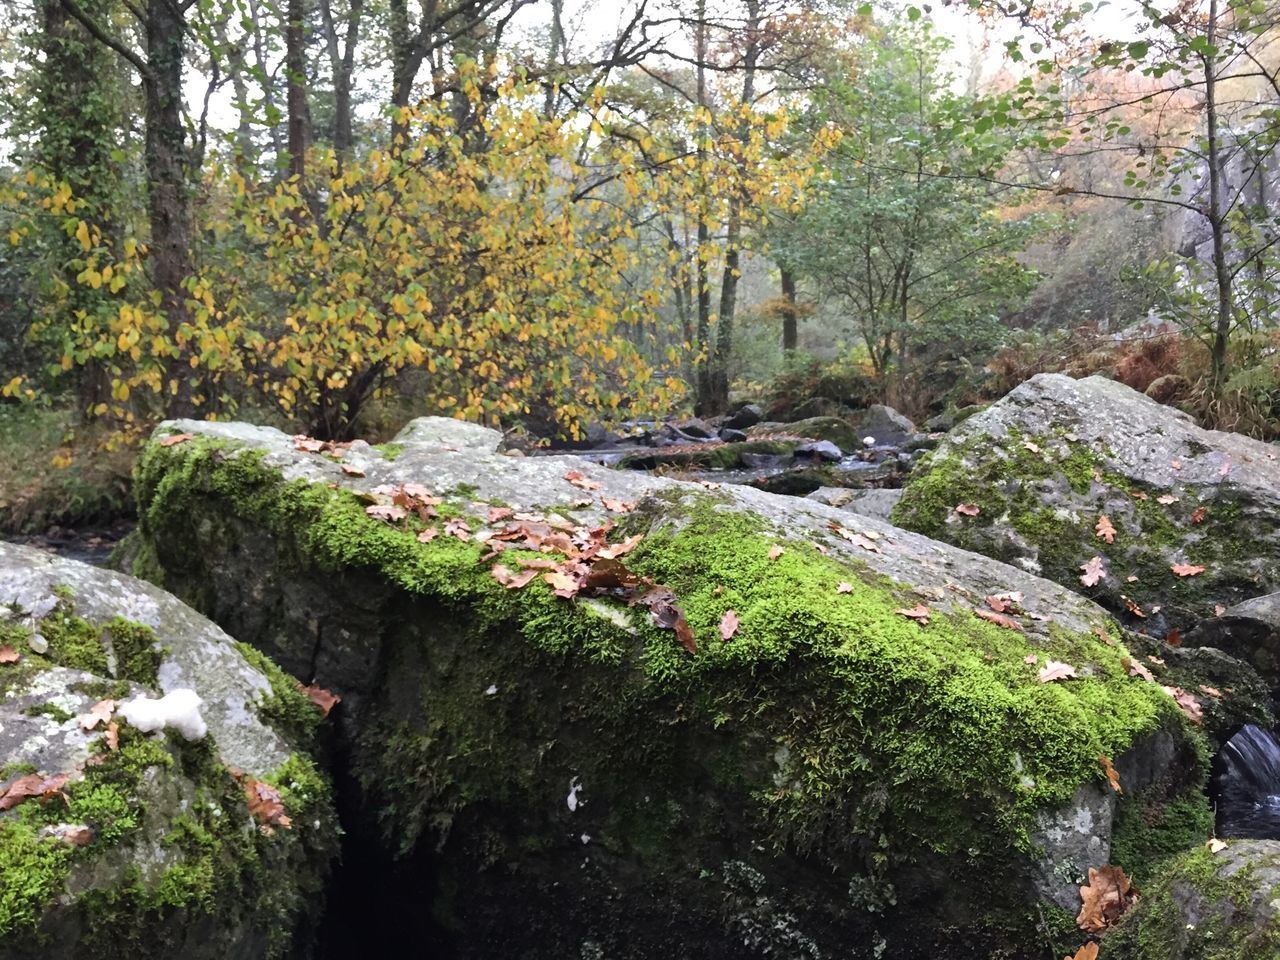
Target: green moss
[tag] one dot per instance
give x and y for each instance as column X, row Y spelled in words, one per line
column 80, row 645
column 1150, row 829
column 390, row 451
column 1227, row 917
column 34, row 869
column 286, row 707
column 50, row 710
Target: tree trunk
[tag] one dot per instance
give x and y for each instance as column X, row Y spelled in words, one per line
column 1217, row 216
column 168, row 201
column 295, row 66
column 342, row 65
column 789, row 319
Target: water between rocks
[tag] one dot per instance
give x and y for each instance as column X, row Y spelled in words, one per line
column 1247, row 785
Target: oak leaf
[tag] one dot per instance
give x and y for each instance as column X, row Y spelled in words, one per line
column 581, row 481
column 999, row 619
column 1186, row 703
column 1109, row 769
column 844, row 587
column 173, row 438
column 497, row 514
column 100, row 712
column 427, row 535
column 352, row 471
column 1105, row 530
column 1186, row 569
column 8, row 654
column 1093, row 571
column 1088, row 952
column 1167, row 499
column 968, row 509
column 728, row 625
column 919, row 613
column 1108, row 894
column 1197, row 515
column 1056, row 670
column 1137, row 669
column 322, row 698
column 266, row 805
column 386, row 511
column 561, row 584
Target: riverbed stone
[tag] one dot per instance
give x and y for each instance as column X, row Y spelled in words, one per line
column 1037, row 472
column 829, row 771
column 145, row 845
column 868, row 503
column 837, row 430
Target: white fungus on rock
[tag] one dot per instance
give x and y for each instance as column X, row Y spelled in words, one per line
column 178, row 710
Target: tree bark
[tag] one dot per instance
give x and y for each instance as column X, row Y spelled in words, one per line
column 789, row 319
column 296, row 79
column 1217, row 216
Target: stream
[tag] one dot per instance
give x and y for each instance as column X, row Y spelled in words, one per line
column 1247, row 785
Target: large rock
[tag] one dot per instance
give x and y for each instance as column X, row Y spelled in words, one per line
column 869, row 503
column 886, row 424
column 147, row 846
column 1046, row 463
column 829, row 778
column 1206, row 906
column 835, row 429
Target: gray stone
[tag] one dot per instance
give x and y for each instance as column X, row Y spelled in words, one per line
column 748, row 415
column 886, row 424
column 820, row 449
column 732, row 435
column 1054, row 456
column 868, row 503
column 446, row 432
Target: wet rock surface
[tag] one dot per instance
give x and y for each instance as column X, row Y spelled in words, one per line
column 591, row 784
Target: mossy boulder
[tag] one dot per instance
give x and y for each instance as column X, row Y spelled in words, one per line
column 1205, row 905
column 145, row 846
column 1047, row 462
column 833, row 778
column 838, row 430
column 711, row 455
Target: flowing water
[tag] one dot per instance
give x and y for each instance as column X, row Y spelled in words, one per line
column 1247, row 782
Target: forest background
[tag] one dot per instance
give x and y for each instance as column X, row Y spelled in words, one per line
column 333, row 215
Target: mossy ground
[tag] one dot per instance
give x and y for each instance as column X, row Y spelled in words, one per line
column 841, row 730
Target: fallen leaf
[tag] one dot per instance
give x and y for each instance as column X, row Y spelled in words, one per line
column 308, row 444
column 521, row 579
column 1174, row 637
column 1152, row 658
column 1030, row 658
column 1028, row 445
column 618, row 506
column 1088, row 952
column 386, row 511
column 1215, row 845
column 660, row 601
column 844, row 586
column 352, row 471
column 1186, row 703
column 1167, row 499
column 919, row 613
column 1131, row 579
column 427, row 535
column 1102, row 635
column 1133, row 607
column 1139, row 494
column 322, row 698
column 968, row 509
column 615, row 550
column 1211, row 691
column 457, row 527
column 999, row 619
column 1056, row 670
column 1225, row 469
column 775, row 552
column 1186, row 569
column 100, row 712
column 1176, row 464
column 1109, row 769
column 728, row 625
column 32, row 786
column 265, row 804
column 581, row 481
column 1094, row 570
column 1000, row 602
column 9, row 655
column 113, row 736
column 1105, row 898
column 1105, row 530
column 561, row 584
column 170, row 440
column 1198, row 514
column 497, row 514
column 73, row 834
column 1219, row 609
column 1137, row 669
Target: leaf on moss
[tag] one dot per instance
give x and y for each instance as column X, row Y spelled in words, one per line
column 1105, row 530
column 32, row 787
column 497, row 514
column 1137, row 669
column 844, row 586
column 618, row 506
column 1093, row 571
column 386, row 511
column 1105, row 637
column 968, row 509
column 175, row 438
column 1054, row 670
column 266, row 805
column 661, row 602
column 1186, row 569
column 561, row 584
column 1088, row 952
column 728, row 625
column 9, row 655
column 1166, row 499
column 1186, row 703
column 919, row 613
column 1198, row 514
column 999, row 619
column 775, row 552
column 322, row 698
column 113, row 736
column 427, row 535
column 1109, row 769
column 1002, row 602
column 457, row 527
column 1108, row 894
column 615, row 550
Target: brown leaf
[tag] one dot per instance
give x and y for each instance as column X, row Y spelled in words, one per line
column 1030, row 658
column 999, row 619
column 1137, row 669
column 9, row 655
column 775, row 552
column 660, row 601
column 1105, row 637
column 618, row 506
column 1094, row 570
column 581, row 481
column 844, row 587
column 1154, row 659
column 113, row 736
column 1167, row 499
column 352, row 471
column 1211, row 691
column 1186, row 569
column 1105, row 898
column 1197, row 515
column 1133, row 607
column 522, row 579
column 1027, row 444
column 308, row 444
column 1109, row 769
column 265, row 804
column 100, row 712
column 1056, row 670
column 561, row 584
column 1139, row 495
column 1088, row 952
column 32, row 786
column 74, row 834
column 427, row 535
column 1215, row 845
column 457, row 527
column 322, row 698
column 386, row 511
column 968, row 509
column 609, row 575
column 497, row 514
column 1186, row 703
column 170, row 440
column 1105, row 530
column 613, row 551
column 728, row 625
column 1174, row 637
column 919, row 613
